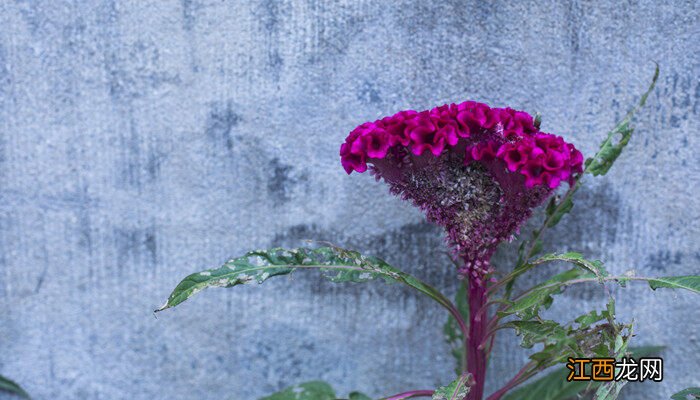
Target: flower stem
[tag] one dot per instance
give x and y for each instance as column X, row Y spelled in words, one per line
column 476, row 355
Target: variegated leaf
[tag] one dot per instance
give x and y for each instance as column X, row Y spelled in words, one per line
column 336, row 264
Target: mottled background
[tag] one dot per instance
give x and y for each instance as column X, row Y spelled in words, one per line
column 144, row 140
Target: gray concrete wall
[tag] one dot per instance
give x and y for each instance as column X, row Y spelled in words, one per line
column 144, row 140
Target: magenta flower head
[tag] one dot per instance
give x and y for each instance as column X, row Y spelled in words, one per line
column 475, row 170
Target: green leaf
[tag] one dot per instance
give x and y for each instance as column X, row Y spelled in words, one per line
column 453, row 334
column 560, row 342
column 617, row 139
column 554, row 385
column 10, row 386
column 531, row 332
column 689, row 282
column 555, row 211
column 591, row 318
column 314, row 390
column 687, row 394
column 527, row 306
column 336, row 264
column 594, row 266
column 358, row 396
column 457, row 390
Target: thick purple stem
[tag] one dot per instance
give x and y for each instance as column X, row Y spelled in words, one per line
column 408, row 395
column 476, row 355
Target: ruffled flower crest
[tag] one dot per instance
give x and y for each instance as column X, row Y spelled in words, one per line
column 477, row 171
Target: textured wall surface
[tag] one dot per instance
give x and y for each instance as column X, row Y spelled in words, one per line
column 144, row 140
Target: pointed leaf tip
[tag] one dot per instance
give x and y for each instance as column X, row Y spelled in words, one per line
column 9, row 386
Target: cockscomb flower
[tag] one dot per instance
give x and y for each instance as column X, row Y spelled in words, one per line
column 477, row 171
